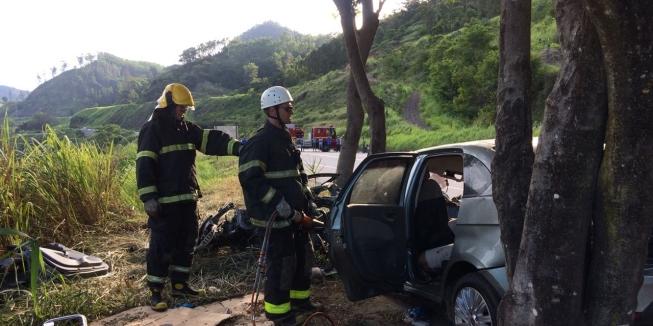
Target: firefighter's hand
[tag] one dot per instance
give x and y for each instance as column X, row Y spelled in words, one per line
column 152, row 207
column 312, row 209
column 306, row 222
column 297, row 217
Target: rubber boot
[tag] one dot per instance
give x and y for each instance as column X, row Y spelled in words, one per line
column 305, row 306
column 181, row 289
column 287, row 319
column 156, row 300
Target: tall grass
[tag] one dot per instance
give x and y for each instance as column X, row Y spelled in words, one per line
column 54, row 189
column 14, row 212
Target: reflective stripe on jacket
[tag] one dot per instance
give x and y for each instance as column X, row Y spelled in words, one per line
column 165, row 162
column 270, row 167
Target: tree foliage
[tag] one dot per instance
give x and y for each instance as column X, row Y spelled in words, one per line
column 463, row 70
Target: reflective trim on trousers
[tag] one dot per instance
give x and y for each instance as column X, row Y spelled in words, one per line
column 156, row 279
column 297, row 294
column 277, row 308
column 181, row 269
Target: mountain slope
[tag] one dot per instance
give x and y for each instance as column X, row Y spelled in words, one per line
column 450, row 64
column 11, row 94
column 265, row 54
column 108, row 80
column 268, row 29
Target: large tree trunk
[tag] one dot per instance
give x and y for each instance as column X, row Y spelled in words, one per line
column 355, row 119
column 373, row 105
column 623, row 219
column 355, row 116
column 513, row 160
column 547, row 285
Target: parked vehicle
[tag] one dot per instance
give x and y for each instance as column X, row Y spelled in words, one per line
column 296, row 134
column 325, row 138
column 379, row 233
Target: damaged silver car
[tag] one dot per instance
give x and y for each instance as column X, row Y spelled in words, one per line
column 425, row 222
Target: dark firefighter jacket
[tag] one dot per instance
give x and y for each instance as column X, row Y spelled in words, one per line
column 270, row 168
column 165, row 163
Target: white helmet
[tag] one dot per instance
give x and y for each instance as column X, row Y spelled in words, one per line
column 275, row 95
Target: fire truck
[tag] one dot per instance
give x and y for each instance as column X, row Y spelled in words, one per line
column 325, row 138
column 297, row 134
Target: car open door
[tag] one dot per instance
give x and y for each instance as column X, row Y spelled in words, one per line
column 368, row 231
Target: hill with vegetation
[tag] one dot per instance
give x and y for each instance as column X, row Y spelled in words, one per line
column 10, row 94
column 105, row 81
column 268, row 29
column 266, row 54
column 434, row 64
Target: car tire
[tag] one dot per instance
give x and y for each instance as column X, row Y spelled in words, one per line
column 473, row 301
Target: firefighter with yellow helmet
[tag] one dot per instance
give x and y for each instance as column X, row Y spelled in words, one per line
column 274, row 183
column 167, row 185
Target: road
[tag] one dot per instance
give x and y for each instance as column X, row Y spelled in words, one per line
column 324, row 162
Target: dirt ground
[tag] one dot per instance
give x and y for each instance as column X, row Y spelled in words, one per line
column 382, row 310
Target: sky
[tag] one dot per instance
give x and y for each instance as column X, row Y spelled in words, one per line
column 40, row 34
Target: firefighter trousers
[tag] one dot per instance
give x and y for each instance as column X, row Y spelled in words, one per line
column 288, row 270
column 172, row 240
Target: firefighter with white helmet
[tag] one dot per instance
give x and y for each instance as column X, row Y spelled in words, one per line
column 274, row 183
column 167, row 185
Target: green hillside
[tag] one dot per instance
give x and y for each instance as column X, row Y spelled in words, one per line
column 105, row 81
column 437, row 57
column 266, row 54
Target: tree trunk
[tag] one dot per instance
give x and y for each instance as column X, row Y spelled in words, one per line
column 355, row 116
column 355, row 119
column 513, row 160
column 373, row 105
column 547, row 285
column 623, row 219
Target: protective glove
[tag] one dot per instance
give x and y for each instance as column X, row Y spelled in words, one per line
column 283, row 209
column 312, row 209
column 306, row 222
column 298, row 217
column 152, row 207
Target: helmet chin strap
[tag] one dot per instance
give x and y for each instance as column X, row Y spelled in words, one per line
column 276, row 108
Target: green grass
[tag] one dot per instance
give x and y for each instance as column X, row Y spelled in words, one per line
column 52, row 189
column 85, row 197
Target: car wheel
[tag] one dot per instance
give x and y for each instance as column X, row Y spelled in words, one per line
column 473, row 302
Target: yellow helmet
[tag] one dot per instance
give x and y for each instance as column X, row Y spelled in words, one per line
column 180, row 95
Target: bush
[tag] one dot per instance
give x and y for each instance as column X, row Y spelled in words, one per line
column 463, row 70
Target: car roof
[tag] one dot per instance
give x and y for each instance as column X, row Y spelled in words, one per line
column 481, row 149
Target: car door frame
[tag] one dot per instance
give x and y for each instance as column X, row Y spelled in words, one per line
column 355, row 247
